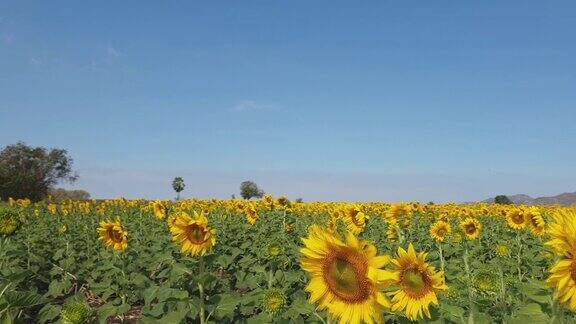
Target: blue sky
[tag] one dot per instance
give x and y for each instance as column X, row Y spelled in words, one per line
column 328, row 100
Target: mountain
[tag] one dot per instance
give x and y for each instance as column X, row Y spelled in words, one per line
column 565, row 199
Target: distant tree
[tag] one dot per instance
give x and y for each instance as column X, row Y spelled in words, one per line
column 249, row 189
column 178, row 186
column 28, row 172
column 299, row 200
column 502, row 200
column 59, row 194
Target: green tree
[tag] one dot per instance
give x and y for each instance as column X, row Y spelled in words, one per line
column 28, row 172
column 60, row 194
column 178, row 186
column 249, row 189
column 502, row 200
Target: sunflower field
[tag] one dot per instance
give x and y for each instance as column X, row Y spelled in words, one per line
column 276, row 261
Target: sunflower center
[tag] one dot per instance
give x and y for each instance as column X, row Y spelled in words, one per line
column 196, row 234
column 115, row 235
column 415, row 283
column 470, row 229
column 441, row 231
column 518, row 218
column 345, row 276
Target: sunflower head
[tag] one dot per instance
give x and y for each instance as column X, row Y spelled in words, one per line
column 486, row 281
column 8, row 225
column 416, row 285
column 274, row 300
column 440, row 230
column 113, row 235
column 345, row 277
column 75, row 312
column 502, row 250
column 562, row 232
column 471, row 227
column 159, row 209
column 535, row 221
column 274, row 249
column 193, row 234
column 251, row 214
column 354, row 219
column 516, row 219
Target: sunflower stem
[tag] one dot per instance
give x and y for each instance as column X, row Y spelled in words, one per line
column 270, row 276
column 201, row 289
column 518, row 256
column 469, row 277
column 441, row 256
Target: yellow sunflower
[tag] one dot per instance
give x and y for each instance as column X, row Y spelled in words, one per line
column 563, row 274
column 159, row 209
column 113, row 235
column 439, row 231
column 536, row 221
column 354, row 219
column 417, row 284
column 471, row 227
column 193, row 234
column 345, row 277
column 563, row 279
column 251, row 214
column 562, row 233
column 516, row 219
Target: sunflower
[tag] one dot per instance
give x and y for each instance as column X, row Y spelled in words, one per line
column 486, row 281
column 274, row 249
column 193, row 233
column 563, row 274
column 502, row 250
column 268, row 200
column 417, row 284
column 251, row 214
column 159, row 209
column 440, row 230
column 345, row 277
column 274, row 301
column 8, row 225
column 392, row 233
column 113, row 235
column 354, row 219
column 536, row 221
column 282, row 201
column 75, row 312
column 562, row 233
column 516, row 219
column 471, row 228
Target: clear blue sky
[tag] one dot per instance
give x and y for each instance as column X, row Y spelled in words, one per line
column 370, row 100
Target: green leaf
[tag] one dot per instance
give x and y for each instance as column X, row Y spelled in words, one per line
column 226, row 305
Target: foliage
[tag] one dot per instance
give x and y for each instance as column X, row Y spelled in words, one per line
column 178, row 186
column 502, row 200
column 28, row 172
column 60, row 194
column 249, row 189
column 53, row 262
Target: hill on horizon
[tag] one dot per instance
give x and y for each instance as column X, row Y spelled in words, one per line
column 564, row 199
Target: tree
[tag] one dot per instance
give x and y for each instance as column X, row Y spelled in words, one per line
column 60, row 194
column 249, row 189
column 502, row 200
column 178, row 186
column 28, row 172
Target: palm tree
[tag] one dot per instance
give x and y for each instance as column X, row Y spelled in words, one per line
column 178, row 186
